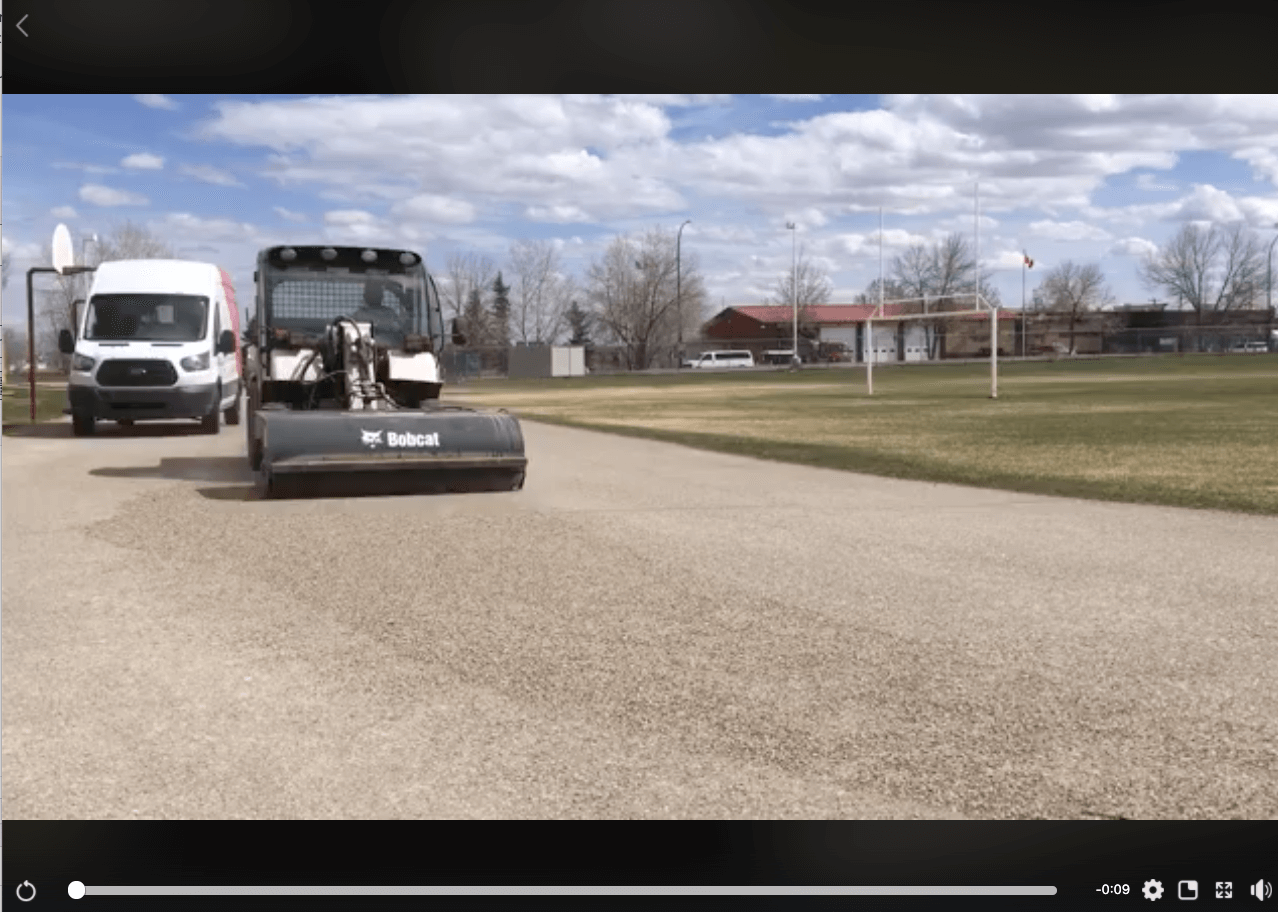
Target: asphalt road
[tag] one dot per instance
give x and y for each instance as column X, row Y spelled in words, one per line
column 644, row 631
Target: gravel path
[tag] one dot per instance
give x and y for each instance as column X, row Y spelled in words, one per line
column 644, row 631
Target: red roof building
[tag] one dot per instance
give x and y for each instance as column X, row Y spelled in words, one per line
column 826, row 328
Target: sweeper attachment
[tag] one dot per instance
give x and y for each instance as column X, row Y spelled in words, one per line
column 343, row 376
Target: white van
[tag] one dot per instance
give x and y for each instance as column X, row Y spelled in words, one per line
column 724, row 359
column 156, row 339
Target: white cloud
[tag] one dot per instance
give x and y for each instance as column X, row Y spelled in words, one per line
column 734, row 233
column 157, row 101
column 1068, row 231
column 677, row 101
column 348, row 217
column 64, row 212
column 1005, row 260
column 20, row 252
column 1206, row 203
column 86, row 168
column 557, row 214
column 795, row 97
column 602, row 155
column 867, row 244
column 289, row 215
column 210, row 175
column 1147, row 181
column 1137, row 247
column 108, row 196
column 431, row 207
column 142, row 161
column 183, row 226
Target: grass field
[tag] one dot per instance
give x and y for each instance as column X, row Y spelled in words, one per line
column 17, row 401
column 1194, row 432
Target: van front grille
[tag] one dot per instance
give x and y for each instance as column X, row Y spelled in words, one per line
column 136, row 373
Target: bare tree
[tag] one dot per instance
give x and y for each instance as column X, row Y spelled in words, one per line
column 914, row 272
column 129, row 242
column 15, row 347
column 1213, row 269
column 632, row 289
column 804, row 282
column 939, row 273
column 467, row 274
column 891, row 291
column 60, row 304
column 1071, row 290
column 542, row 292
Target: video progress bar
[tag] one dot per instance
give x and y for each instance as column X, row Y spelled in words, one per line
column 565, row 891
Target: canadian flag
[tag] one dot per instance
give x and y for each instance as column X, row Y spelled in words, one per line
column 1029, row 262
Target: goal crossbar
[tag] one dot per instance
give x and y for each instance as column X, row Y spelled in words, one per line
column 983, row 306
column 983, row 309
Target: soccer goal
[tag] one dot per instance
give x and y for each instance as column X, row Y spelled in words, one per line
column 925, row 324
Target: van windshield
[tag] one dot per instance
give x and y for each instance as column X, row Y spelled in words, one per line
column 146, row 318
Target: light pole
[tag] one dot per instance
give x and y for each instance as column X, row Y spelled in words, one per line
column 1269, row 284
column 1026, row 263
column 679, row 291
column 794, row 290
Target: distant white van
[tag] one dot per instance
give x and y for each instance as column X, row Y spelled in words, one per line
column 724, row 359
column 156, row 339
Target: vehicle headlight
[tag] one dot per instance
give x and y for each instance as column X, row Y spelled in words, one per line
column 81, row 363
column 196, row 362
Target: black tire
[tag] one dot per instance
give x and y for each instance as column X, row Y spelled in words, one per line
column 125, row 422
column 232, row 415
column 212, row 422
column 82, row 425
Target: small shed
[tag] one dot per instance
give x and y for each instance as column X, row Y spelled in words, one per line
column 530, row 361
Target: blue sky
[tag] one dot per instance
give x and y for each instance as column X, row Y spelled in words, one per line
column 1100, row 178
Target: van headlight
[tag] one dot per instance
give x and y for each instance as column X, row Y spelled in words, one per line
column 81, row 362
column 196, row 362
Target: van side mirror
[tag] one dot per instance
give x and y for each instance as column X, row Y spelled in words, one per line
column 66, row 342
column 459, row 335
column 226, row 343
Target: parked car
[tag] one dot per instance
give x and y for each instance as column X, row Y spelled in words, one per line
column 157, row 339
column 723, row 359
column 1253, row 347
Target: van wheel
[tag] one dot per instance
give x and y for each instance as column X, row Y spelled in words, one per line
column 212, row 422
column 82, row 425
column 232, row 414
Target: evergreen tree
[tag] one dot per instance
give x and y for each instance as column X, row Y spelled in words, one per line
column 500, row 325
column 578, row 324
column 475, row 320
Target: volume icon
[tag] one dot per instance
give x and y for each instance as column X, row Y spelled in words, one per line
column 1262, row 890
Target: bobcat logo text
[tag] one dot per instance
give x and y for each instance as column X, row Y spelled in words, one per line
column 396, row 440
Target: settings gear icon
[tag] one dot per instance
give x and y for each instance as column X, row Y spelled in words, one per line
column 1153, row 890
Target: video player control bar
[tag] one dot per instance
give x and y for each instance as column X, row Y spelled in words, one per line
column 78, row 890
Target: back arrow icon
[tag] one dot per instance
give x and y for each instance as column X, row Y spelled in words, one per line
column 21, row 29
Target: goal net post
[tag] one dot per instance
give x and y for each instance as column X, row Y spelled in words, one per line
column 970, row 317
